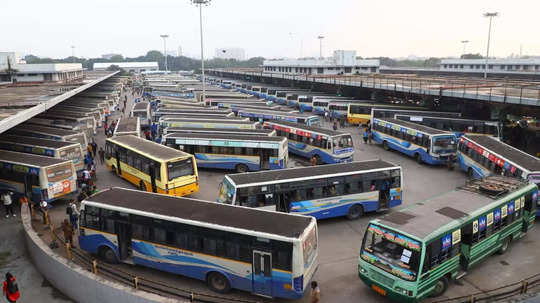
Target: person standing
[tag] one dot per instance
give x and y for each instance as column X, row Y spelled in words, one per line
column 315, row 295
column 11, row 289
column 94, row 147
column 8, row 204
column 313, row 161
column 101, row 155
column 370, row 135
column 335, row 126
column 89, row 148
column 67, row 228
column 74, row 214
column 365, row 135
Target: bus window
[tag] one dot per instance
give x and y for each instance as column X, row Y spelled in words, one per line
column 180, row 168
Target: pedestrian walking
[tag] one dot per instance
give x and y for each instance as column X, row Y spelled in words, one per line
column 101, row 155
column 11, row 289
column 365, row 135
column 86, row 175
column 73, row 213
column 67, row 228
column 8, row 203
column 335, row 126
column 315, row 294
column 147, row 135
column 94, row 147
column 370, row 136
column 93, row 171
column 326, row 116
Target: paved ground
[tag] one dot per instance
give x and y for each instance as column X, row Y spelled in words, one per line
column 339, row 239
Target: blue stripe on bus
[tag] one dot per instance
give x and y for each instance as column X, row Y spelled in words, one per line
column 406, row 148
column 297, row 149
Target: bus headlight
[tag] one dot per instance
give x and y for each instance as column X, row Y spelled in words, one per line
column 362, row 270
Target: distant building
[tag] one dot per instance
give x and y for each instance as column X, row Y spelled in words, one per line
column 46, row 72
column 132, row 67
column 231, row 53
column 501, row 66
column 109, row 56
column 172, row 53
column 343, row 62
column 180, row 51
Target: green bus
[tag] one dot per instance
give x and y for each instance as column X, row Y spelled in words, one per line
column 414, row 253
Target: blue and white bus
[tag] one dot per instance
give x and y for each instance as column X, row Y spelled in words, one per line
column 481, row 156
column 458, row 126
column 321, row 105
column 336, row 190
column 264, row 115
column 327, row 146
column 425, row 144
column 52, row 133
column 205, row 123
column 241, row 153
column 37, row 177
column 238, row 107
column 193, row 112
column 230, row 131
column 265, row 253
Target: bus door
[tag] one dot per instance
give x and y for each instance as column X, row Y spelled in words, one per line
column 262, row 273
column 153, row 177
column 264, row 158
column 123, row 232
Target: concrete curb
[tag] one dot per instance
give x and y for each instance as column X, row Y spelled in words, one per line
column 74, row 281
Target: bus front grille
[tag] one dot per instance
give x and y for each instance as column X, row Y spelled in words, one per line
column 384, row 280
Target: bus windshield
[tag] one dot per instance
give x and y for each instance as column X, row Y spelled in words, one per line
column 180, row 168
column 392, row 252
column 73, row 153
column 444, row 145
column 59, row 173
column 341, row 142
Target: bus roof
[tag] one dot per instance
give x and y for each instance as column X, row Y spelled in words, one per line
column 66, row 115
column 43, row 129
column 201, row 116
column 446, row 211
column 152, row 149
column 232, row 137
column 249, row 219
column 310, row 172
column 421, row 128
column 367, row 103
column 320, row 130
column 239, row 131
column 127, row 124
column 30, row 159
column 164, row 110
column 504, row 150
column 141, row 106
column 194, row 119
column 38, row 142
column 276, row 112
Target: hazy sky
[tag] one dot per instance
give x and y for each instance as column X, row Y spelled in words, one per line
column 272, row 28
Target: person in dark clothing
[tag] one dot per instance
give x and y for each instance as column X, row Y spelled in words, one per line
column 11, row 289
column 101, row 155
column 67, row 228
column 94, row 147
column 335, row 126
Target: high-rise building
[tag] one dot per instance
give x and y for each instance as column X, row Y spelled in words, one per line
column 231, row 53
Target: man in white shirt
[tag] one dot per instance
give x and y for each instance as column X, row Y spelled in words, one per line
column 8, row 203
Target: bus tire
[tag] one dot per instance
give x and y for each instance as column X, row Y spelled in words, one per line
column 241, row 168
column 107, row 254
column 385, row 145
column 504, row 246
column 418, row 158
column 218, row 282
column 440, row 287
column 142, row 186
column 355, row 212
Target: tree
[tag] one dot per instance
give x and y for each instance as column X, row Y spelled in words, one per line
column 117, row 58
column 472, row 56
column 114, row 68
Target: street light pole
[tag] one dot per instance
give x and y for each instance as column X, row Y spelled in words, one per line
column 490, row 16
column 464, row 45
column 320, row 45
column 165, row 50
column 200, row 3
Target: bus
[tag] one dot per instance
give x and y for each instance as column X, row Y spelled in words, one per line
column 206, row 123
column 482, row 156
column 377, row 112
column 231, row 131
column 458, row 126
column 325, row 145
column 151, row 166
column 225, row 246
column 425, row 144
column 321, row 106
column 241, row 153
column 414, row 253
column 128, row 126
column 71, row 122
column 327, row 191
column 45, row 147
column 227, row 103
column 235, row 108
column 304, row 102
column 360, row 113
column 142, row 110
column 53, row 133
column 73, row 112
column 193, row 112
column 82, row 108
column 264, row 115
column 37, row 177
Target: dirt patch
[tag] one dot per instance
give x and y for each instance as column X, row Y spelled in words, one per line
column 4, row 255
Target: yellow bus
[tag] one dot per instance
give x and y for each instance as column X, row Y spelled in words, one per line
column 151, row 166
column 360, row 113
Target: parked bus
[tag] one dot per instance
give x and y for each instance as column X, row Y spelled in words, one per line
column 345, row 189
column 360, row 113
column 327, row 146
column 425, row 144
column 72, row 112
column 45, row 147
column 71, row 122
column 142, row 110
column 53, row 133
column 482, row 156
column 321, row 106
column 299, row 118
column 304, row 102
column 151, row 166
column 100, row 112
column 236, row 108
column 414, row 253
column 206, row 123
column 37, row 177
column 128, row 126
column 227, row 103
column 225, row 246
column 223, row 131
column 233, row 152
column 377, row 112
column 193, row 112
column 458, row 126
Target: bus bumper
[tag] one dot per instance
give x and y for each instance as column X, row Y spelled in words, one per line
column 343, row 160
column 182, row 190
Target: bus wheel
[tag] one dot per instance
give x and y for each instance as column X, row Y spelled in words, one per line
column 142, row 186
column 385, row 145
column 218, row 283
column 355, row 212
column 440, row 287
column 241, row 168
column 418, row 158
column 504, row 247
column 107, row 254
